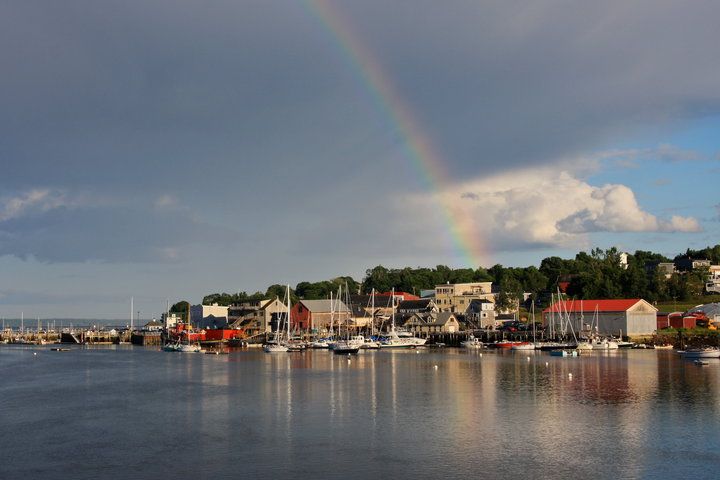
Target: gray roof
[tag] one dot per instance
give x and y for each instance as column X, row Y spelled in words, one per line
column 442, row 318
column 322, row 306
column 415, row 304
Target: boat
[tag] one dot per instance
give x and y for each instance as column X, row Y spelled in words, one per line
column 320, row 343
column 701, row 362
column 564, row 353
column 700, row 353
column 189, row 348
column 603, row 344
column 506, row 344
column 472, row 342
column 397, row 338
column 549, row 346
column 345, row 347
column 664, row 346
column 278, row 344
column 523, row 346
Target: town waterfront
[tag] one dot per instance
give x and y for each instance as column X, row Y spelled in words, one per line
column 137, row 412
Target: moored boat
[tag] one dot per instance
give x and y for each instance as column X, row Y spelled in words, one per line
column 564, row 353
column 472, row 342
column 700, row 353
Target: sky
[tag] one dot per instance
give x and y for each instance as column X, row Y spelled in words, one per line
column 165, row 150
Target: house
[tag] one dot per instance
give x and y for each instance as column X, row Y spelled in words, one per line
column 608, row 317
column 152, row 326
column 209, row 316
column 317, row 315
column 417, row 323
column 480, row 314
column 712, row 285
column 444, row 322
column 457, row 297
column 256, row 317
column 170, row 320
column 425, row 305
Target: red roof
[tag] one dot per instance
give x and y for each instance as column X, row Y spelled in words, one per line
column 403, row 295
column 588, row 306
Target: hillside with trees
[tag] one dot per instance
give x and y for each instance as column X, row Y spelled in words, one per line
column 598, row 274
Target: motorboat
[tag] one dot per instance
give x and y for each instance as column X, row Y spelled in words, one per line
column 345, row 347
column 564, row 353
column 394, row 340
column 700, row 353
column 274, row 346
column 523, row 346
column 472, row 342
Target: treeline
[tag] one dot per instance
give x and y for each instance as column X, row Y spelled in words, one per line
column 597, row 274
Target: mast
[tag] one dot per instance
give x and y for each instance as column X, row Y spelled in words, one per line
column 392, row 299
column 372, row 312
column 288, row 312
column 332, row 313
column 131, row 313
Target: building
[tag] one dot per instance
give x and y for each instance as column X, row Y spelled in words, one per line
column 712, row 285
column 317, row 315
column 256, row 317
column 425, row 323
column 480, row 314
column 425, row 305
column 209, row 316
column 444, row 322
column 170, row 320
column 607, row 317
column 457, row 297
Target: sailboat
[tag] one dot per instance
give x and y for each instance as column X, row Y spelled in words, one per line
column 371, row 343
column 278, row 343
column 347, row 345
column 397, row 340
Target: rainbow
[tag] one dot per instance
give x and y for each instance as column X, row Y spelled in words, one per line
column 418, row 146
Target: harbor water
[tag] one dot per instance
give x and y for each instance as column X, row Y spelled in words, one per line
column 139, row 413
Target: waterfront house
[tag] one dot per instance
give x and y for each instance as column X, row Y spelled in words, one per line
column 607, row 317
column 209, row 316
column 316, row 315
column 417, row 323
column 443, row 322
column 480, row 314
column 255, row 317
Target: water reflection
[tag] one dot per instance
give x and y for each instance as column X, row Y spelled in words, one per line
column 380, row 413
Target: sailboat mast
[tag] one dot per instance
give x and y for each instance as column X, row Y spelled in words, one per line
column 372, row 312
column 288, row 312
column 392, row 299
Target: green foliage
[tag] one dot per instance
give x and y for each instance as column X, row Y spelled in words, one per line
column 598, row 274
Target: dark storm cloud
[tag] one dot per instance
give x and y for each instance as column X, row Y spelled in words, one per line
column 253, row 111
column 120, row 91
column 107, row 234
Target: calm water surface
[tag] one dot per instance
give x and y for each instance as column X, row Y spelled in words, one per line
column 139, row 413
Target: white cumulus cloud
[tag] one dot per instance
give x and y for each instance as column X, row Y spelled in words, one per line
column 547, row 207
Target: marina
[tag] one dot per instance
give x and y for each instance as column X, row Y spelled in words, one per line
column 448, row 412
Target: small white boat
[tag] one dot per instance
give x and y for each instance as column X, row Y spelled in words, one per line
column 472, row 342
column 274, row 347
column 189, row 348
column 564, row 353
column 700, row 353
column 523, row 346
